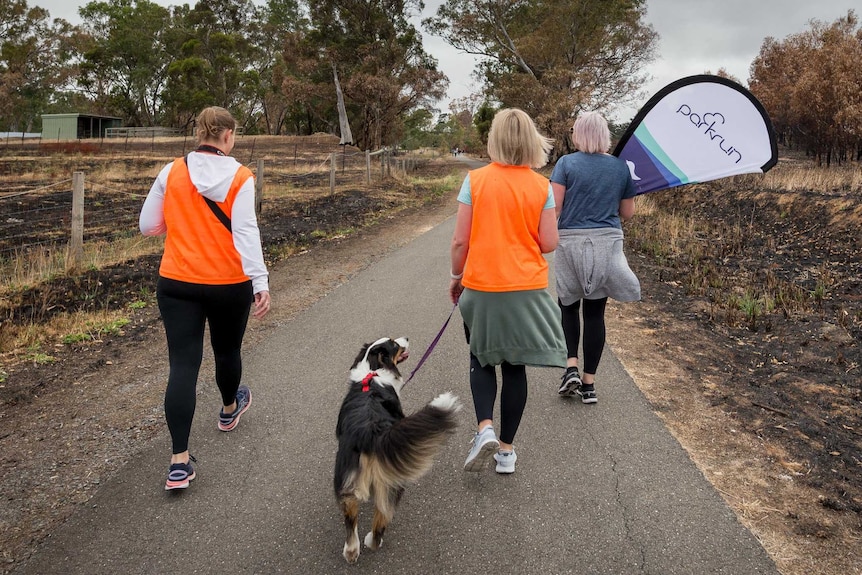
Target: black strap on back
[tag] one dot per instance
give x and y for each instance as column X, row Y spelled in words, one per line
column 222, row 217
column 217, row 211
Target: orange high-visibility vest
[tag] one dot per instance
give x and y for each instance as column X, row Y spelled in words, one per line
column 198, row 247
column 504, row 253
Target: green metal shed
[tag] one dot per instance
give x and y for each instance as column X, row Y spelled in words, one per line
column 77, row 126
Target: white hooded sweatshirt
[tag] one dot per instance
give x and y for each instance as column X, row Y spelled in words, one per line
column 212, row 175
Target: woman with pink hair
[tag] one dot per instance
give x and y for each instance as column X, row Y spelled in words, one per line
column 594, row 194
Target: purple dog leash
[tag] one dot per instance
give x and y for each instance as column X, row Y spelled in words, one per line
column 432, row 346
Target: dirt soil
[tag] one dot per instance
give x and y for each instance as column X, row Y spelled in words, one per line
column 770, row 409
column 769, row 413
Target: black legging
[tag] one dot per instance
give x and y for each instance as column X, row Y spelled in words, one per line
column 594, row 331
column 513, row 396
column 185, row 309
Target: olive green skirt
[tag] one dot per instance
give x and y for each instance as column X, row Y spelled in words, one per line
column 520, row 327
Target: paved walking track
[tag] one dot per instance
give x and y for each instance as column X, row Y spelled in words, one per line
column 601, row 489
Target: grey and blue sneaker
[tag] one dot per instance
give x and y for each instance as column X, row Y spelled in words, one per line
column 243, row 402
column 485, row 444
column 587, row 391
column 505, row 461
column 180, row 475
column 571, row 382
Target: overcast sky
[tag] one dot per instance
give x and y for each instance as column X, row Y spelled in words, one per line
column 696, row 36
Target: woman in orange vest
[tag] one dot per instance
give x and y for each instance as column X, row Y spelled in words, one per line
column 211, row 271
column 506, row 220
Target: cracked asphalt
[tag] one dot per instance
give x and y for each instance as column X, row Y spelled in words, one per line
column 602, row 489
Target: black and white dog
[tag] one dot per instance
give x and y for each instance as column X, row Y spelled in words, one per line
column 380, row 450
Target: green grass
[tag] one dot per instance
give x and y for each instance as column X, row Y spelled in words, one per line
column 38, row 357
column 94, row 331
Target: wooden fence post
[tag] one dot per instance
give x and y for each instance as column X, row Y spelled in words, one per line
column 332, row 173
column 258, row 188
column 367, row 167
column 76, row 242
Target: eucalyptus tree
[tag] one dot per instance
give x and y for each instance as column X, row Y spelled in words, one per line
column 383, row 67
column 124, row 61
column 307, row 86
column 809, row 84
column 33, row 58
column 552, row 58
column 482, row 121
column 214, row 56
column 281, row 21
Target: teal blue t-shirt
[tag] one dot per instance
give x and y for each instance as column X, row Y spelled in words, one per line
column 465, row 198
column 595, row 184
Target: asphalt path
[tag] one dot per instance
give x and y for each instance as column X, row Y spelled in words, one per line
column 601, row 489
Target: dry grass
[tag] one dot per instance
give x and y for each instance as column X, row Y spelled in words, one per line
column 696, row 245
column 301, row 173
column 800, row 176
column 35, row 341
column 118, row 172
column 33, row 267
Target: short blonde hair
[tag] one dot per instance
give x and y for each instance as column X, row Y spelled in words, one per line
column 212, row 122
column 591, row 134
column 515, row 141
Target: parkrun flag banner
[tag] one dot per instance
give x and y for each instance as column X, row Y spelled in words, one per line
column 697, row 129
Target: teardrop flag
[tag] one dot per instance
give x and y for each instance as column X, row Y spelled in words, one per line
column 697, row 129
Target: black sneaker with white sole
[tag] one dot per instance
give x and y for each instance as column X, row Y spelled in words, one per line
column 587, row 393
column 571, row 382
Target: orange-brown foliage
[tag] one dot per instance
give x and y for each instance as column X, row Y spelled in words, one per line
column 809, row 84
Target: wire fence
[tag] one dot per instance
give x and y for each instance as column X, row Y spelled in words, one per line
column 37, row 219
column 42, row 219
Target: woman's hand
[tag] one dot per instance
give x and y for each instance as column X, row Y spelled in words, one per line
column 455, row 289
column 261, row 304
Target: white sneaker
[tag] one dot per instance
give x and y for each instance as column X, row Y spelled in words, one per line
column 484, row 445
column 505, row 461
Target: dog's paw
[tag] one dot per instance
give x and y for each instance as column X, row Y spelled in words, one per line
column 446, row 402
column 351, row 553
column 369, row 541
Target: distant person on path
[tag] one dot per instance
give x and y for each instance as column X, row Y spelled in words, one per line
column 505, row 222
column 211, row 271
column 594, row 194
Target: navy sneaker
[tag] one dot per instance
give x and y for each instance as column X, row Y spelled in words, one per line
column 243, row 402
column 180, row 475
column 571, row 381
column 587, row 391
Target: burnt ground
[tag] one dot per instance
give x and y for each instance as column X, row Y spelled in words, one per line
column 767, row 399
column 768, row 403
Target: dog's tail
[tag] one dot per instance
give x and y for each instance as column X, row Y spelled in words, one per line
column 407, row 450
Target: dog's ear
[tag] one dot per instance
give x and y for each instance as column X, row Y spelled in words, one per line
column 383, row 353
column 361, row 356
